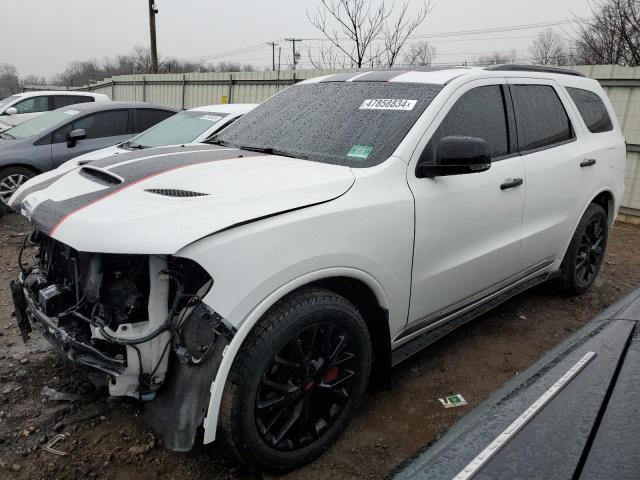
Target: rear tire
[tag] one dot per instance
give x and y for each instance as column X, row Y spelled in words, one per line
column 11, row 178
column 296, row 381
column 586, row 251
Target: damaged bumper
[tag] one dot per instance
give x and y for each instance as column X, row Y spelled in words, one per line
column 139, row 320
column 28, row 314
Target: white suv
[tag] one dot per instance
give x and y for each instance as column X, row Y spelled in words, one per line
column 21, row 107
column 253, row 285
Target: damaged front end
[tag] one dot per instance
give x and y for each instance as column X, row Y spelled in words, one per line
column 136, row 318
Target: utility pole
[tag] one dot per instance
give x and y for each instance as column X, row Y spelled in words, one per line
column 296, row 55
column 152, row 32
column 279, row 57
column 273, row 54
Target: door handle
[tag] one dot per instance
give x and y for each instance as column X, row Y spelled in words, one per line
column 588, row 162
column 511, row 183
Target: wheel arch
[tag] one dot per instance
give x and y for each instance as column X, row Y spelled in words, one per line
column 357, row 286
column 606, row 199
column 21, row 164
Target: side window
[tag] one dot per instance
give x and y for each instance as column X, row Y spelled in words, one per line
column 33, row 105
column 145, row 118
column 98, row 125
column 481, row 113
column 541, row 118
column 60, row 101
column 104, row 124
column 592, row 110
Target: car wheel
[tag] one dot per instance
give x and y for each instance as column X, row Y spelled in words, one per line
column 586, row 251
column 10, row 180
column 296, row 381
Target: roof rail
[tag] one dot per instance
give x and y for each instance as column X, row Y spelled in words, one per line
column 513, row 67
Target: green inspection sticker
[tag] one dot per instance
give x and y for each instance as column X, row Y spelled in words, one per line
column 360, row 151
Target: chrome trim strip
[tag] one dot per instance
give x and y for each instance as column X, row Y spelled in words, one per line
column 483, row 457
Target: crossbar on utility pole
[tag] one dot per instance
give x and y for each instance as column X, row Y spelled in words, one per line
column 152, row 33
column 293, row 46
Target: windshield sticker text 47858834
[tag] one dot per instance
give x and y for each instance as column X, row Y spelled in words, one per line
column 388, row 104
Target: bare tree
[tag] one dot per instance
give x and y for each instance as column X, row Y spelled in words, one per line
column 420, row 54
column 326, row 56
column 497, row 58
column 8, row 79
column 612, row 35
column 549, row 48
column 397, row 32
column 352, row 26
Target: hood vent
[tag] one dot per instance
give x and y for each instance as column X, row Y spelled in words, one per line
column 173, row 192
column 99, row 175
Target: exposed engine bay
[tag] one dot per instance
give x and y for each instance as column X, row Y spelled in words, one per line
column 128, row 316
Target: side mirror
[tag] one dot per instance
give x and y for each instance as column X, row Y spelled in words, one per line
column 457, row 156
column 74, row 136
column 11, row 111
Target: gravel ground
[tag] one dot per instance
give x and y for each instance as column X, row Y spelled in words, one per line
column 105, row 438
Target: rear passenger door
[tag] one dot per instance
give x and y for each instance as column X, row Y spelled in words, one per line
column 467, row 227
column 103, row 130
column 551, row 142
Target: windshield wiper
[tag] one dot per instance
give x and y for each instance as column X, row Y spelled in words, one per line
column 133, row 146
column 272, row 151
column 7, row 135
column 222, row 143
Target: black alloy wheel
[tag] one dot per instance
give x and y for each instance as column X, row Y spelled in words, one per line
column 586, row 251
column 296, row 381
column 590, row 251
column 305, row 387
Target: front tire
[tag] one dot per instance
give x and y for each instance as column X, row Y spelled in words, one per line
column 586, row 251
column 11, row 178
column 296, row 381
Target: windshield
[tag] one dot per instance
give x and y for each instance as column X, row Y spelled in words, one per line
column 358, row 124
column 42, row 124
column 8, row 100
column 184, row 127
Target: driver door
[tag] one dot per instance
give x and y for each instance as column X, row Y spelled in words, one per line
column 103, row 130
column 468, row 226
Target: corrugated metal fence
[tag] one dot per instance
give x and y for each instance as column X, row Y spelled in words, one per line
column 622, row 85
column 189, row 90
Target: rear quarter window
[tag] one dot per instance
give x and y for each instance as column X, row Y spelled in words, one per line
column 540, row 117
column 60, row 101
column 145, row 118
column 592, row 110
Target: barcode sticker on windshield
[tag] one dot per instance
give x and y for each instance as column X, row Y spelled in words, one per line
column 211, row 118
column 388, row 104
column 71, row 112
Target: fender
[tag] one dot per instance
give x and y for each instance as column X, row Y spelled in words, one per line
column 228, row 356
column 607, row 189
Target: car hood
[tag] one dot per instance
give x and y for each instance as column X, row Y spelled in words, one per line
column 98, row 154
column 152, row 202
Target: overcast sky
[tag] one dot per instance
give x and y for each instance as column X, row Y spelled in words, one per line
column 42, row 36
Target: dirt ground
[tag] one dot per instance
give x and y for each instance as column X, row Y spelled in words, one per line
column 105, row 438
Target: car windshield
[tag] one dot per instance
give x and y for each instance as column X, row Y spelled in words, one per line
column 184, row 127
column 358, row 124
column 8, row 100
column 42, row 123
